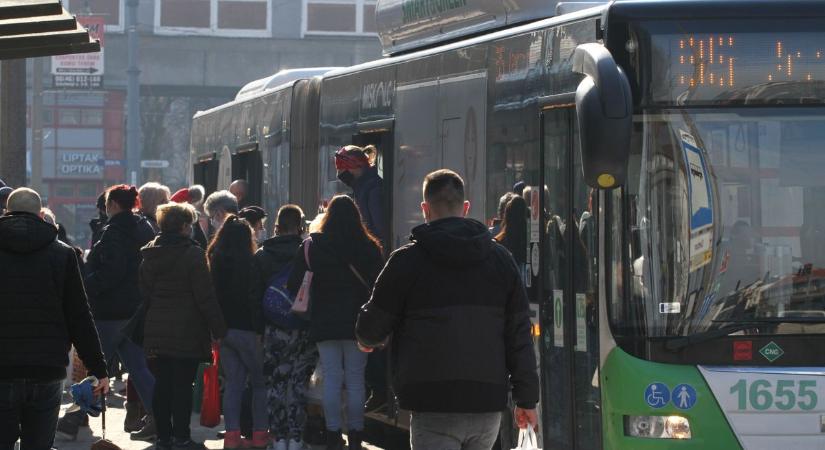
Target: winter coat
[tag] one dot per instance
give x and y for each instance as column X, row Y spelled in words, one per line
column 43, row 307
column 183, row 314
column 112, row 267
column 457, row 311
column 368, row 193
column 239, row 293
column 336, row 293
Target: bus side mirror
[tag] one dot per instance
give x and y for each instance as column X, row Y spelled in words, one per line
column 604, row 107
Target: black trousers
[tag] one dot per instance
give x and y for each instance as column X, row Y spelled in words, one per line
column 29, row 410
column 172, row 401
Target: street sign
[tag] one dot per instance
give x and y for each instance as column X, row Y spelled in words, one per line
column 84, row 70
column 154, row 164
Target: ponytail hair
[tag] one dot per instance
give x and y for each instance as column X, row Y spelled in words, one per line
column 124, row 195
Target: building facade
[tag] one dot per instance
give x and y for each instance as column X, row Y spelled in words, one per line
column 194, row 54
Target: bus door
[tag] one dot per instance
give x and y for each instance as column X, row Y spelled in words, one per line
column 247, row 164
column 380, row 134
column 205, row 172
column 563, row 223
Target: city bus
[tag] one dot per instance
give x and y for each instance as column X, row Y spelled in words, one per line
column 670, row 154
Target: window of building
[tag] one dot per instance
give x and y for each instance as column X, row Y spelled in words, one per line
column 236, row 18
column 111, row 10
column 339, row 17
column 64, row 190
column 88, row 190
column 91, row 117
column 69, row 116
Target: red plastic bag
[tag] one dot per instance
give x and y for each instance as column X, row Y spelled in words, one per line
column 211, row 405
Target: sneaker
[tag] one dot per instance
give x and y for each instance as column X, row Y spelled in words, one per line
column 69, row 425
column 280, row 444
column 188, row 444
column 260, row 440
column 134, row 420
column 295, row 445
column 163, row 445
column 147, row 433
column 232, row 440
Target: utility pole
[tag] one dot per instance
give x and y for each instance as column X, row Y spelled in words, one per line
column 133, row 149
column 37, row 125
column 13, row 122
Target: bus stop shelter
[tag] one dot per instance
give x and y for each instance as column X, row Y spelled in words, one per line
column 28, row 29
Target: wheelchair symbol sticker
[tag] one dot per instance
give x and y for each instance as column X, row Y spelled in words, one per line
column 657, row 395
column 684, row 396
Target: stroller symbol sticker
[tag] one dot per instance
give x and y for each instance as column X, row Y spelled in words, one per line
column 684, row 396
column 657, row 395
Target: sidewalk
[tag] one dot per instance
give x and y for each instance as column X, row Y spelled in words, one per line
column 114, row 428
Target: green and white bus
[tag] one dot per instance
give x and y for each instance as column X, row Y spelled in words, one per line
column 672, row 153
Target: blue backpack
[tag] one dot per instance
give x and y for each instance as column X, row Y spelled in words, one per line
column 277, row 303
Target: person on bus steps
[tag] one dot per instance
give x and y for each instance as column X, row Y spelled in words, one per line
column 345, row 259
column 456, row 308
column 112, row 285
column 513, row 233
column 289, row 355
column 356, row 171
column 231, row 263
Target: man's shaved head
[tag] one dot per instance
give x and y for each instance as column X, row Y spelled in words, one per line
column 24, row 200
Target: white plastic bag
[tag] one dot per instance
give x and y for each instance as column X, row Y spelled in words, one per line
column 527, row 440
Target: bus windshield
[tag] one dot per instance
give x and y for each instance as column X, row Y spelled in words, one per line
column 726, row 220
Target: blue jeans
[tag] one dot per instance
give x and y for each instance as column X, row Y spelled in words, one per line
column 454, row 431
column 343, row 364
column 29, row 410
column 241, row 357
column 131, row 355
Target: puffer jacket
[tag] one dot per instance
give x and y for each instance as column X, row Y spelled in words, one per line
column 112, row 267
column 457, row 311
column 336, row 293
column 183, row 315
column 43, row 307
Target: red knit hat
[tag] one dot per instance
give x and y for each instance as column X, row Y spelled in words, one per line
column 181, row 196
column 350, row 159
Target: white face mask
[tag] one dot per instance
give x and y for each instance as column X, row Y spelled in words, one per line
column 261, row 235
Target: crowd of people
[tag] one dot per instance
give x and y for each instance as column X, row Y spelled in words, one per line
column 170, row 276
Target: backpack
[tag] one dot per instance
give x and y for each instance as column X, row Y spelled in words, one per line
column 277, row 303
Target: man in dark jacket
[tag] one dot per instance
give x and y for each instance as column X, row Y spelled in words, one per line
column 456, row 307
column 43, row 311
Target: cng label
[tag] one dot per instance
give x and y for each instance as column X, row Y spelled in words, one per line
column 772, row 352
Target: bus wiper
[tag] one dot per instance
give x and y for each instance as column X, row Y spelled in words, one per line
column 686, row 341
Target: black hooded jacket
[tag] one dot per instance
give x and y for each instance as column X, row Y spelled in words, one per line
column 457, row 311
column 43, row 307
column 275, row 253
column 112, row 267
column 336, row 293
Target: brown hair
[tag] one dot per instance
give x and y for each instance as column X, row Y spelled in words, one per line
column 124, row 195
column 444, row 189
column 343, row 218
column 172, row 217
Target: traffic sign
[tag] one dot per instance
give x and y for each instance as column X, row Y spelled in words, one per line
column 84, row 70
column 154, row 164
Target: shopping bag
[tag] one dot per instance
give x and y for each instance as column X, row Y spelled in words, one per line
column 211, row 404
column 301, row 304
column 527, row 440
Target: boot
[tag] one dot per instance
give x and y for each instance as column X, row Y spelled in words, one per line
column 260, row 439
column 134, row 420
column 147, row 433
column 69, row 425
column 354, row 439
column 334, row 440
column 232, row 440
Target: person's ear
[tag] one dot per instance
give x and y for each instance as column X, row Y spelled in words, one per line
column 466, row 208
column 425, row 210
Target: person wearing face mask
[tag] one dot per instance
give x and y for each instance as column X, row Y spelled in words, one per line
column 256, row 216
column 355, row 170
column 218, row 206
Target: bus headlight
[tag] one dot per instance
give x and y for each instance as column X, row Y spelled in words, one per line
column 657, row 427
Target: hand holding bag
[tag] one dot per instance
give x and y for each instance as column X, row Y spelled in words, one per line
column 301, row 304
column 527, row 439
column 211, row 404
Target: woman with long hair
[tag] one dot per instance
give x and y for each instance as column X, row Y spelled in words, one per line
column 231, row 262
column 345, row 259
column 513, row 234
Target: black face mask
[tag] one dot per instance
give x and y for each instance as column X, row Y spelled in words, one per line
column 346, row 177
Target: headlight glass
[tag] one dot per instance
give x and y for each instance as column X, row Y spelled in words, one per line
column 657, row 427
